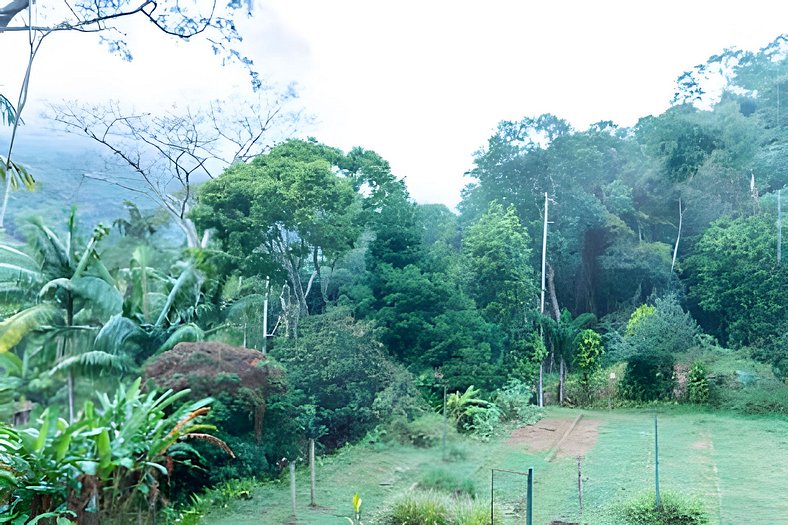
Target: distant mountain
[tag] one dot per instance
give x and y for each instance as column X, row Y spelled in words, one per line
column 67, row 170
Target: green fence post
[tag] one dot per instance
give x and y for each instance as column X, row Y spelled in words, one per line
column 656, row 463
column 529, row 516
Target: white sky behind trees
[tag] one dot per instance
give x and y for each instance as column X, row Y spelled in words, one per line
column 423, row 83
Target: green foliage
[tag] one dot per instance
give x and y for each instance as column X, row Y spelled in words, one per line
column 651, row 346
column 339, row 367
column 676, row 510
column 471, row 413
column 419, row 508
column 300, row 197
column 498, row 253
column 697, row 384
column 642, row 312
column 525, row 358
column 424, row 431
column 441, row 480
column 734, row 277
column 588, row 358
column 589, row 351
column 119, row 449
column 515, row 402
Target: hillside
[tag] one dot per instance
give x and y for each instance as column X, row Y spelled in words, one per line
column 67, row 169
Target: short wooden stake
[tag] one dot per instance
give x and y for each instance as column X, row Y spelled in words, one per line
column 293, row 487
column 312, row 473
column 580, row 483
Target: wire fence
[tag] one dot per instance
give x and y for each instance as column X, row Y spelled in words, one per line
column 511, row 497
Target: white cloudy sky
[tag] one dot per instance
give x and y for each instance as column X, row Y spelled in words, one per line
column 421, row 82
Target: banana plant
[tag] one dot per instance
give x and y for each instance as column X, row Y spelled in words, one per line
column 37, row 467
column 463, row 407
column 108, row 462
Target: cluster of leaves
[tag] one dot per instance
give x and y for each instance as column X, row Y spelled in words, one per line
column 108, row 462
column 654, row 337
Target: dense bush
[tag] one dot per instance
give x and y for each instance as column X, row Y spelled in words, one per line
column 424, row 431
column 515, row 403
column 765, row 397
column 652, row 340
column 339, row 369
column 676, row 510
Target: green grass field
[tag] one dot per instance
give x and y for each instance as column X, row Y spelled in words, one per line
column 737, row 467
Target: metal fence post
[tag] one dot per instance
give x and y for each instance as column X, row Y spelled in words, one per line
column 529, row 517
column 492, row 497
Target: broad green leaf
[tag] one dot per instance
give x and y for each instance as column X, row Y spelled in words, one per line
column 16, row 327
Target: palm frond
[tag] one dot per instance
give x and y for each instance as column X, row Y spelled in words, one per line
column 8, row 114
column 116, row 334
column 94, row 361
column 188, row 333
column 16, row 327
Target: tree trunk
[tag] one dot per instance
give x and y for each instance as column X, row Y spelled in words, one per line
column 6, row 195
column 561, row 370
column 551, row 289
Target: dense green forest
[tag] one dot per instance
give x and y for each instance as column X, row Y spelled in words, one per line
column 321, row 302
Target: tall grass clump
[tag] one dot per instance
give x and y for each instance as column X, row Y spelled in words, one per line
column 433, row 508
column 676, row 510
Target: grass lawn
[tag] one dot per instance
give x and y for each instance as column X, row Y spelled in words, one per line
column 737, row 466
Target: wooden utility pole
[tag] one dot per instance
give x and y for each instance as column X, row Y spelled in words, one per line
column 580, row 483
column 779, row 226
column 293, row 487
column 678, row 237
column 540, row 394
column 445, row 423
column 312, row 473
column 265, row 315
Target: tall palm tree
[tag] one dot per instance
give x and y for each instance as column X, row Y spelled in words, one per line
column 69, row 297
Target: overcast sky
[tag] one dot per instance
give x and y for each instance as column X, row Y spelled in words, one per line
column 421, row 82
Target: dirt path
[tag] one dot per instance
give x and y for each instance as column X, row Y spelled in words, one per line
column 559, row 437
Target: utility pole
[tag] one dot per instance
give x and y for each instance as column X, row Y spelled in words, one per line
column 678, row 237
column 540, row 395
column 656, row 464
column 265, row 315
column 779, row 226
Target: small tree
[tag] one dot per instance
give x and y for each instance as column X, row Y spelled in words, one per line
column 588, row 358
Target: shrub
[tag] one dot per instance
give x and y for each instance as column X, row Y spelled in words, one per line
column 418, row 508
column 444, row 481
column 676, row 510
column 338, row 366
column 589, row 354
column 514, row 402
column 424, row 432
column 471, row 413
column 652, row 338
column 762, row 398
column 433, row 508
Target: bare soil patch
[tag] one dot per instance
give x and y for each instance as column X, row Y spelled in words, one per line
column 548, row 433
